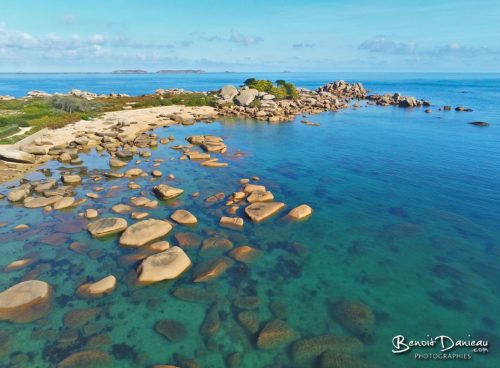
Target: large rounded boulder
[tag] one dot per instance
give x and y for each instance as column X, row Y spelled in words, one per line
column 26, row 301
column 144, row 232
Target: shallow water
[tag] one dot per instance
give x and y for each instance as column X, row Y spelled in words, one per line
column 406, row 213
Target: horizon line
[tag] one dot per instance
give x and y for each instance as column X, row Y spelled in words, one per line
column 182, row 71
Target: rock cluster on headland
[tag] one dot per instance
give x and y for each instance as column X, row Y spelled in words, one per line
column 398, row 100
column 265, row 106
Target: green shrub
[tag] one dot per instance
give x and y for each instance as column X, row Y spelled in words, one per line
column 255, row 103
column 282, row 89
column 74, row 104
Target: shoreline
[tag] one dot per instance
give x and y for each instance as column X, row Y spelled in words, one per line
column 49, row 144
column 17, row 159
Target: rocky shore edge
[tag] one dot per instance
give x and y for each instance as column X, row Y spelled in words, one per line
column 119, row 129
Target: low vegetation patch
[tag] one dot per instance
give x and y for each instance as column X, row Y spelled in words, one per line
column 58, row 111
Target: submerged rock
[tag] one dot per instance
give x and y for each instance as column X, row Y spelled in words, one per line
column 97, row 289
column 480, row 123
column 260, row 211
column 355, row 316
column 333, row 359
column 166, row 265
column 216, row 245
column 121, row 208
column 86, row 359
column 212, row 322
column 245, row 254
column 276, row 333
column 188, row 240
column 26, row 301
column 144, row 232
column 173, row 330
column 107, row 226
column 195, row 295
column 211, row 269
column 250, row 321
column 247, row 302
column 307, row 350
column 79, row 317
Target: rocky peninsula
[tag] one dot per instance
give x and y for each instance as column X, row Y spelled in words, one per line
column 118, row 129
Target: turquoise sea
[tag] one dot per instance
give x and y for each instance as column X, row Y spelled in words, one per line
column 406, row 220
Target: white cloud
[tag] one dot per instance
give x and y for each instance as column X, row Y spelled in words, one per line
column 386, row 45
column 97, row 39
column 240, row 38
column 69, row 19
column 303, row 45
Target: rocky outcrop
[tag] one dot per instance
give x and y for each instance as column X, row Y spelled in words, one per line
column 166, row 265
column 184, row 217
column 17, row 156
column 258, row 212
column 246, row 96
column 228, row 92
column 397, row 100
column 97, row 289
column 164, row 191
column 344, row 90
column 209, row 143
column 40, row 202
column 231, row 222
column 107, row 226
column 301, row 212
column 19, row 193
column 144, row 232
column 26, row 301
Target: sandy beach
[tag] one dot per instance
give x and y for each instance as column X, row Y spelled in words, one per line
column 133, row 123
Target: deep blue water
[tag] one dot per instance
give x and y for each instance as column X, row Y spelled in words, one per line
column 440, row 87
column 406, row 220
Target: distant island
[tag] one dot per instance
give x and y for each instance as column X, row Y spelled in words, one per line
column 163, row 71
column 181, row 71
column 130, row 71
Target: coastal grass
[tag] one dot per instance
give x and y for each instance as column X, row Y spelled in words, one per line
column 58, row 111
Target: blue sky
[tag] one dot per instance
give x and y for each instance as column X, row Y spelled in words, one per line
column 219, row 35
